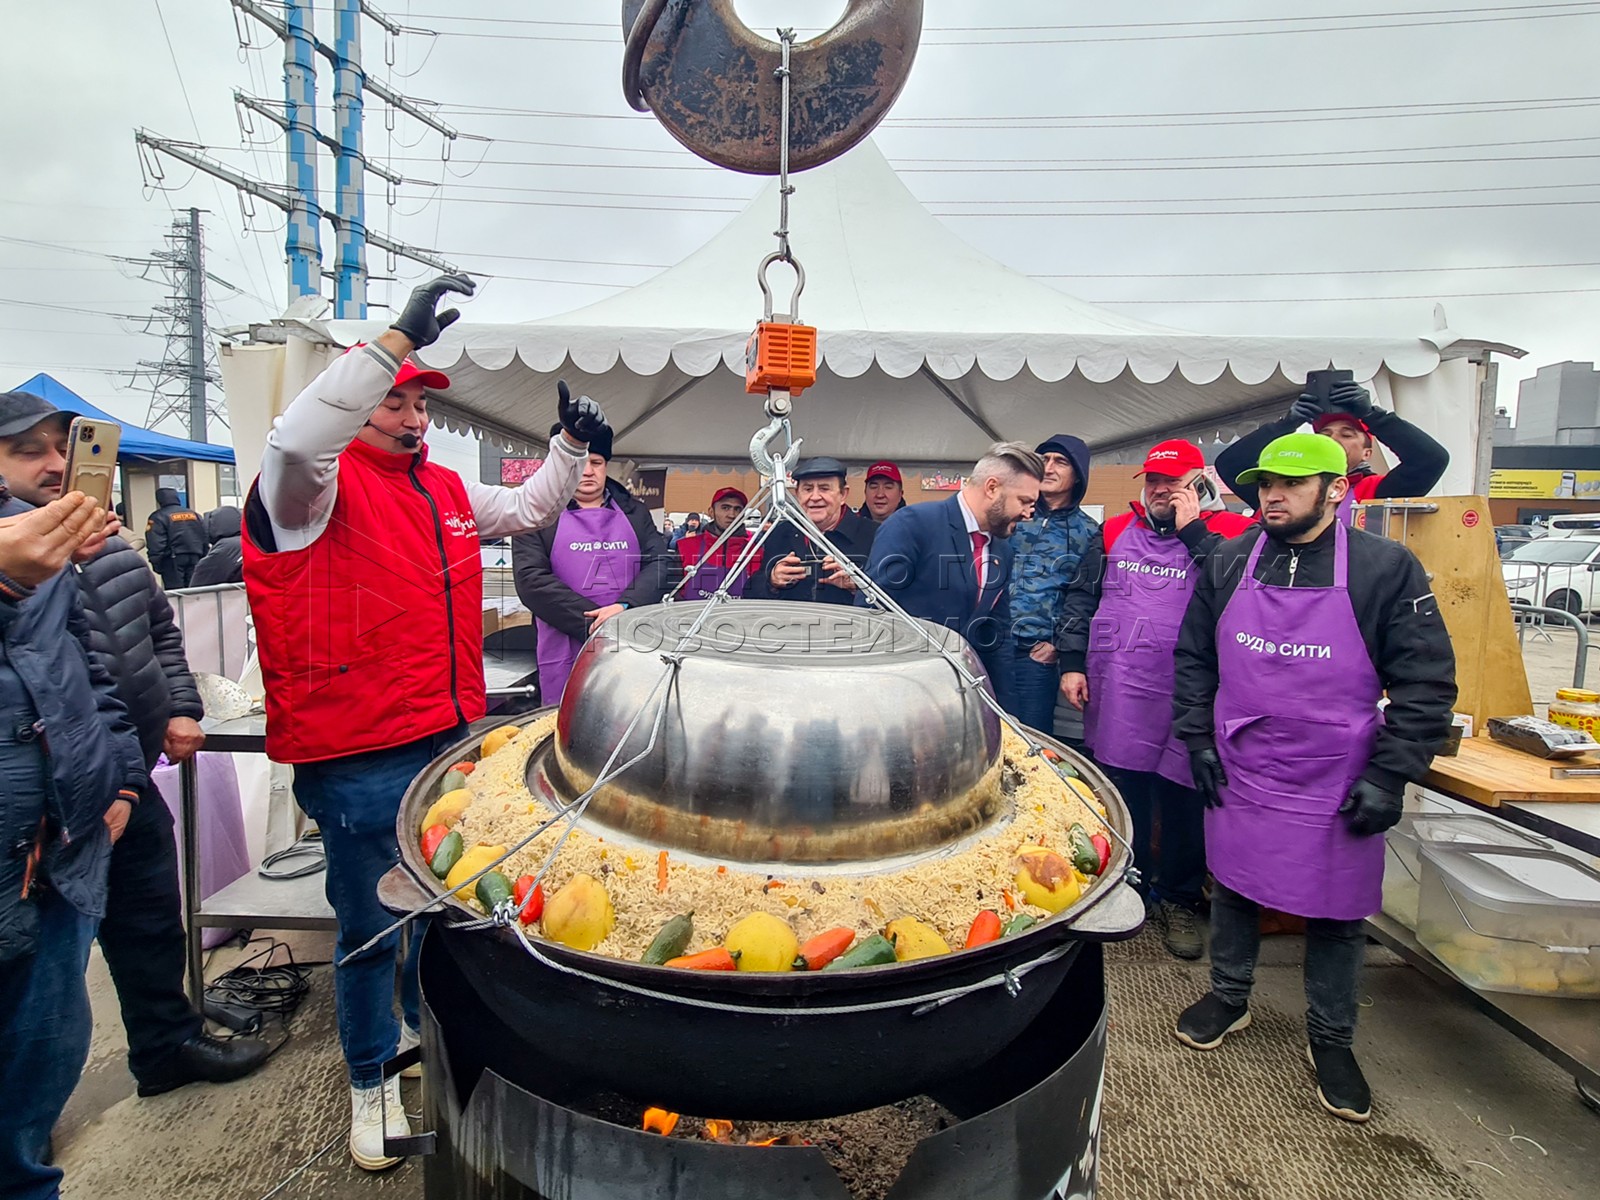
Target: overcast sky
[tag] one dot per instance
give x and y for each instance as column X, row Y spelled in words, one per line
column 1204, row 166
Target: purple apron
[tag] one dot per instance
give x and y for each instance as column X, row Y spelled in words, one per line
column 1296, row 720
column 1143, row 596
column 596, row 554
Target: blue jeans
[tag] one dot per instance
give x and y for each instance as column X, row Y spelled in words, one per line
column 1169, row 835
column 1334, row 954
column 1034, row 686
column 355, row 801
column 44, row 1041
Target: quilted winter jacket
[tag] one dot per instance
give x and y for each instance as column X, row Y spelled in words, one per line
column 132, row 626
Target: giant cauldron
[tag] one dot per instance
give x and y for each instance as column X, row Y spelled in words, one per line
column 791, row 733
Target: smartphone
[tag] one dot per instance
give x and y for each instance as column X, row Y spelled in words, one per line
column 92, row 459
column 1321, row 384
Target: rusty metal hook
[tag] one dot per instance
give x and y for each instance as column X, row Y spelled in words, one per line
column 713, row 84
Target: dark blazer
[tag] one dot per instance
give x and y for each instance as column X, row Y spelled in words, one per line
column 922, row 557
column 853, row 535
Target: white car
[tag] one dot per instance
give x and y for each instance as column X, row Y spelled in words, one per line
column 1555, row 572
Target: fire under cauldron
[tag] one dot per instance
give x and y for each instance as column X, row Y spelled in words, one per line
column 793, row 733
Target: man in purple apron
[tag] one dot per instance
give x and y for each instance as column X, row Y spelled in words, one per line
column 1295, row 632
column 1118, row 629
column 603, row 554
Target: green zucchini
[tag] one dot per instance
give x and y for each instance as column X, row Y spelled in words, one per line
column 1020, row 922
column 876, row 951
column 494, row 889
column 448, row 852
column 672, row 941
column 1084, row 856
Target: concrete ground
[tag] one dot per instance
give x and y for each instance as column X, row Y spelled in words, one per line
column 1463, row 1110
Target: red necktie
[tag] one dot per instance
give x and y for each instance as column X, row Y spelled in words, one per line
column 978, row 542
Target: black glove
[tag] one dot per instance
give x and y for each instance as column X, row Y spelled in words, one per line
column 1209, row 777
column 1370, row 808
column 418, row 320
column 1351, row 398
column 1306, row 409
column 582, row 417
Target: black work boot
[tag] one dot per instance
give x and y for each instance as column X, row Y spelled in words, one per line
column 1204, row 1024
column 1180, row 931
column 1341, row 1087
column 205, row 1059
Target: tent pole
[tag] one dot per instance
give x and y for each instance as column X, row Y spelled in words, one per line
column 970, row 413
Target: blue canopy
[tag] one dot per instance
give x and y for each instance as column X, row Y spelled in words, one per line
column 138, row 445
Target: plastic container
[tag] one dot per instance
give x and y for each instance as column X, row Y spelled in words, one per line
column 1402, row 867
column 1512, row 919
column 1577, row 708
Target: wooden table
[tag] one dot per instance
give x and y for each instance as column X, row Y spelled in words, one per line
column 1517, row 787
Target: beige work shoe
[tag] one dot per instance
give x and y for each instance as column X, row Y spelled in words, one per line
column 367, row 1124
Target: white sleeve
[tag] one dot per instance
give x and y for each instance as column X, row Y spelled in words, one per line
column 501, row 511
column 300, row 466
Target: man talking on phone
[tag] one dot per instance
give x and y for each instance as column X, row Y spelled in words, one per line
column 1350, row 418
column 361, row 559
column 796, row 568
column 1118, row 630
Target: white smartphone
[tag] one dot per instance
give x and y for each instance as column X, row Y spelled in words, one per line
column 92, row 459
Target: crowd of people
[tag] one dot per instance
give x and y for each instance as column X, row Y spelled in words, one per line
column 1228, row 670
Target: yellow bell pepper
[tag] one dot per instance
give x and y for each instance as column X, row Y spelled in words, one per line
column 580, row 914
column 447, row 809
column 468, row 865
column 762, row 942
column 914, row 939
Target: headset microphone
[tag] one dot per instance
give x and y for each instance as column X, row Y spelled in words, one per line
column 409, row 440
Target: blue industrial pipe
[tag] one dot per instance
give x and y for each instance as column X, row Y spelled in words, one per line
column 350, row 298
column 304, row 239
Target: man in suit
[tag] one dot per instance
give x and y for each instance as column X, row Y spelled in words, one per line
column 948, row 562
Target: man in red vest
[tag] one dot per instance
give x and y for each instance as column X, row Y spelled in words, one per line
column 1117, row 633
column 362, row 565
column 706, row 570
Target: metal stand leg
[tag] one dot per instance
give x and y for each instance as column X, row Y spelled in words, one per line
column 189, row 791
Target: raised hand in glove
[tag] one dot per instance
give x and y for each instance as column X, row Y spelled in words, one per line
column 1351, row 398
column 1370, row 809
column 582, row 417
column 420, row 321
column 1209, row 777
column 1306, row 409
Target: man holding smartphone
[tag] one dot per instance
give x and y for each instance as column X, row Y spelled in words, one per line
column 795, row 567
column 1347, row 415
column 1118, row 630
column 362, row 562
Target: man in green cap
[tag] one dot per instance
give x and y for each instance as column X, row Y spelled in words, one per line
column 1296, row 631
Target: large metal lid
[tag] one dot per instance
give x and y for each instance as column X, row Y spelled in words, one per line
column 794, row 732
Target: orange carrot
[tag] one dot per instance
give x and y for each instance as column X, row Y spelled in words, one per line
column 821, row 950
column 773, row 885
column 722, row 870
column 661, row 871
column 1010, row 902
column 985, row 928
column 718, row 959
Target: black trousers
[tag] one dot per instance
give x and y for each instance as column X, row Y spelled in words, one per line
column 177, row 572
column 142, row 938
column 1169, row 835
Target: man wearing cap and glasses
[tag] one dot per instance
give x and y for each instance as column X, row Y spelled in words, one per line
column 1352, row 420
column 1119, row 626
column 885, row 491
column 1297, row 629
column 796, row 568
column 362, row 563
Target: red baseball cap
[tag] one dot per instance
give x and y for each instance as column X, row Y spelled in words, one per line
column 1326, row 419
column 730, row 493
column 886, row 469
column 437, row 380
column 1176, row 458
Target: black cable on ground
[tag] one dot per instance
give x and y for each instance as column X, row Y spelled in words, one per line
column 308, row 848
column 258, row 991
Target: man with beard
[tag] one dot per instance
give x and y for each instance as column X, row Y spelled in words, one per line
column 801, row 570
column 1297, row 629
column 1118, row 630
column 949, row 562
column 1354, row 422
column 885, row 492
column 707, row 569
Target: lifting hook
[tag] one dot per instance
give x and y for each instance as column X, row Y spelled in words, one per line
column 714, row 83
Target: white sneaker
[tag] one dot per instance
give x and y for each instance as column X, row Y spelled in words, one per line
column 367, row 1124
column 410, row 1038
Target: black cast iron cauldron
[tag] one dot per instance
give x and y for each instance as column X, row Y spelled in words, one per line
column 768, row 1056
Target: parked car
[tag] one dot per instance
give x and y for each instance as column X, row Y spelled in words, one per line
column 1510, row 538
column 1582, row 524
column 1555, row 572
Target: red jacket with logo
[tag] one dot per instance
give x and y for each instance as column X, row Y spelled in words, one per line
column 1224, row 524
column 351, row 628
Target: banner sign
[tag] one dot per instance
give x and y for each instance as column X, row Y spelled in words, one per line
column 1544, row 485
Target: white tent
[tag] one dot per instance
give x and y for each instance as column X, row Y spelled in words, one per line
column 929, row 350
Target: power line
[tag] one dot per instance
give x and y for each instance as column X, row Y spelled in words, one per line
column 1360, row 299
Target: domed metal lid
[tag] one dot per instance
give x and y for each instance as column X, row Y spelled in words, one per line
column 793, row 732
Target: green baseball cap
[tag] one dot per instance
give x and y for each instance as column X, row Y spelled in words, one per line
column 1299, row 454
